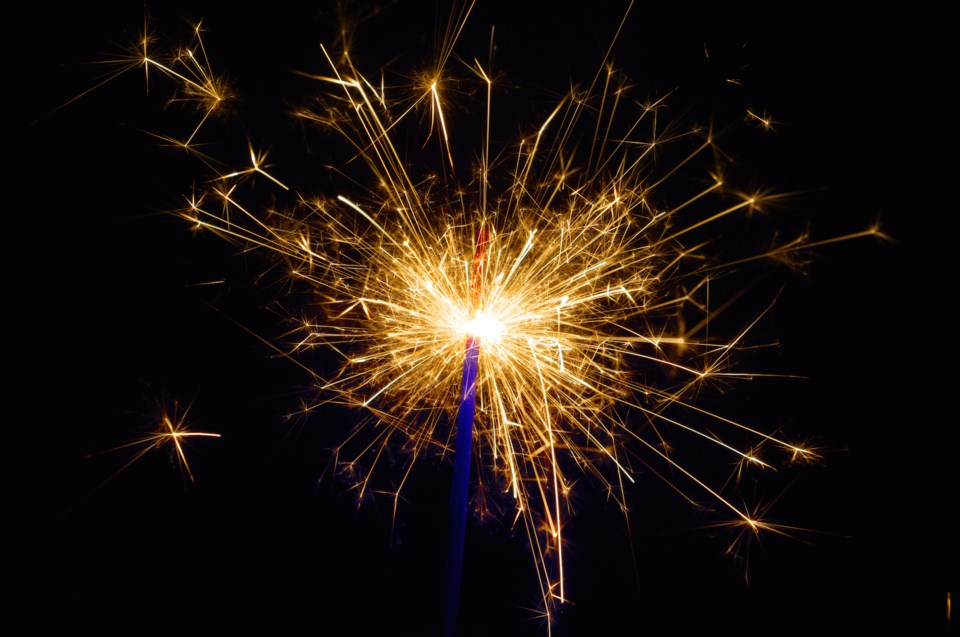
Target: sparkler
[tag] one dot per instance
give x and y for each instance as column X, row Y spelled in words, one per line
column 577, row 291
column 464, row 448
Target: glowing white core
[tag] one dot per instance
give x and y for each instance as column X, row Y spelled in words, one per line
column 486, row 327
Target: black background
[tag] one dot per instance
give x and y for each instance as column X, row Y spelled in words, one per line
column 106, row 322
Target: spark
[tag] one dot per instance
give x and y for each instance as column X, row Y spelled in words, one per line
column 948, row 608
column 764, row 120
column 171, row 430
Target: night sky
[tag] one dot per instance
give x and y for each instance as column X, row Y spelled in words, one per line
column 108, row 322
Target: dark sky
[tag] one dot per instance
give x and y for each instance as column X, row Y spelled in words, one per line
column 108, row 323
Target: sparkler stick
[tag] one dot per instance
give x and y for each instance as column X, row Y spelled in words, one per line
column 464, row 449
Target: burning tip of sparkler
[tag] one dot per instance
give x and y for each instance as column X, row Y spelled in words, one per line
column 485, row 326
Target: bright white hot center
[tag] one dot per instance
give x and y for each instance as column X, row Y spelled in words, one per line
column 485, row 326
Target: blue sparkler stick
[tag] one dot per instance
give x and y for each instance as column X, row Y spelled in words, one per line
column 463, row 451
